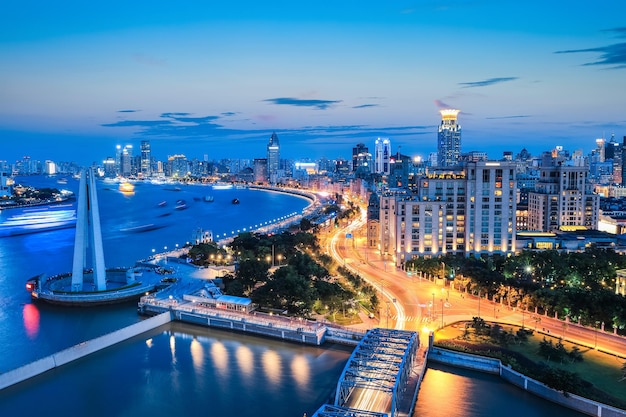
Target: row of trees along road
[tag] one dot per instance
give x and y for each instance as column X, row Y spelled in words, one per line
column 580, row 285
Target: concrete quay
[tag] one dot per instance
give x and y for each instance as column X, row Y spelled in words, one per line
column 80, row 350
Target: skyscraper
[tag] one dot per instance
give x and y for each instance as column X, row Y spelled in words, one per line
column 361, row 160
column 448, row 139
column 145, row 158
column 382, row 149
column 273, row 158
column 360, row 148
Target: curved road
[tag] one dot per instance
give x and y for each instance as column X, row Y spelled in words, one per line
column 413, row 303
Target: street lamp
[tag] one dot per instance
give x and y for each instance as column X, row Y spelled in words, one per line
column 442, row 313
column 432, row 309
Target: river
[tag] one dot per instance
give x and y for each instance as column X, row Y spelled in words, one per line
column 185, row 370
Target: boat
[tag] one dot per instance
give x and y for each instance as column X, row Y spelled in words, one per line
column 162, row 204
column 221, row 186
column 181, row 205
column 62, row 181
column 235, row 201
column 126, row 187
column 209, row 198
column 142, row 228
column 38, row 221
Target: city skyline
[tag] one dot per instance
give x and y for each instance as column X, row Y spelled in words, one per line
column 219, row 79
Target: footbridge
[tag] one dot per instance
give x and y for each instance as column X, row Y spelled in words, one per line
column 381, row 377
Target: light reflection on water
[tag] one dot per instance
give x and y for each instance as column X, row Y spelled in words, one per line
column 272, row 366
column 454, row 392
column 245, row 360
column 145, row 376
column 31, row 320
column 300, row 369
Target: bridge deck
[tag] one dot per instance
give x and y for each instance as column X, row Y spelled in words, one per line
column 377, row 374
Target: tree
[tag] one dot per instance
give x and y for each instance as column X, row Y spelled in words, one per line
column 305, row 224
column 251, row 272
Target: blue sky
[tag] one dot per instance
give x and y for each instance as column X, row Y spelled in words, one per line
column 216, row 78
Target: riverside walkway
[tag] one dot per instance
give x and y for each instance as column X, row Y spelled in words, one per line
column 381, row 378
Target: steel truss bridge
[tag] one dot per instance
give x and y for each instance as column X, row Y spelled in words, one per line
column 374, row 379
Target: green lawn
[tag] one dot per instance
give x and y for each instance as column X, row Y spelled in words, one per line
column 600, row 369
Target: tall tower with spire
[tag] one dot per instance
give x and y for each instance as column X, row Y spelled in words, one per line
column 449, row 139
column 273, row 158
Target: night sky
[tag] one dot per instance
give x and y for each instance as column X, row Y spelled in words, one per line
column 217, row 78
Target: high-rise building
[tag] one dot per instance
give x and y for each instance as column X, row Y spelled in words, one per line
column 563, row 199
column 361, row 161
column 146, row 158
column 624, row 161
column 118, row 159
column 273, row 159
column 5, row 183
column 109, row 167
column 382, row 156
column 469, row 210
column 359, row 149
column 259, row 166
column 599, row 151
column 50, row 168
column 178, row 166
column 449, row 139
column 127, row 161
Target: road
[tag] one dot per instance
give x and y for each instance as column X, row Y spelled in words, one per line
column 414, row 303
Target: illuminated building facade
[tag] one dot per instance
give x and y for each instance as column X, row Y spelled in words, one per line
column 259, row 167
column 467, row 211
column 178, row 166
column 563, row 199
column 273, row 159
column 382, row 156
column 146, row 158
column 449, row 139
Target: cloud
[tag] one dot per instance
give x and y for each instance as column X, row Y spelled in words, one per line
column 206, row 129
column 487, row 82
column 128, row 111
column 137, row 123
column 318, row 104
column 441, row 105
column 174, row 115
column 517, row 116
column 364, row 106
column 611, row 55
column 182, row 117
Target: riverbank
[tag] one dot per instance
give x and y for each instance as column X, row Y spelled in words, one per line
column 495, row 366
column 561, row 365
